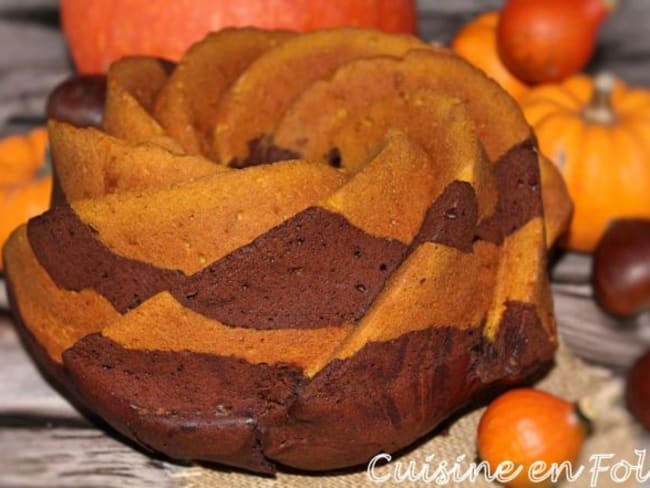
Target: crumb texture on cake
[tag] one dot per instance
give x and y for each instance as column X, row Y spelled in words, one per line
column 291, row 249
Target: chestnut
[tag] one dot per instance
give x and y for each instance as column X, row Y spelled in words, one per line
column 637, row 394
column 621, row 269
column 78, row 100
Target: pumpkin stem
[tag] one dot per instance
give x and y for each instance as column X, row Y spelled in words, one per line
column 600, row 110
column 586, row 418
column 611, row 5
column 598, row 10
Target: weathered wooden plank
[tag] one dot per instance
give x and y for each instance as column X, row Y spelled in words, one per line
column 4, row 303
column 27, row 5
column 439, row 20
column 30, row 70
column 594, row 336
column 571, row 267
column 50, row 457
column 22, row 388
column 31, row 44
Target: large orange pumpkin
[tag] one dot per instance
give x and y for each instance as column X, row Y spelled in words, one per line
column 477, row 43
column 598, row 133
column 102, row 31
column 25, row 180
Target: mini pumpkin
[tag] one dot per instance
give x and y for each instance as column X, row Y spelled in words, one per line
column 528, row 426
column 477, row 43
column 25, row 180
column 597, row 131
column 545, row 41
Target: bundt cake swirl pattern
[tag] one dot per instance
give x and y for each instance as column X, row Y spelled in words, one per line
column 386, row 269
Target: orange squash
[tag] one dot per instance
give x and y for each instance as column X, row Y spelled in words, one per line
column 597, row 131
column 543, row 41
column 477, row 43
column 25, row 180
column 527, row 426
column 111, row 29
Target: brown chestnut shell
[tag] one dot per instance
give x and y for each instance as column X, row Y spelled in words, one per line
column 621, row 270
column 638, row 390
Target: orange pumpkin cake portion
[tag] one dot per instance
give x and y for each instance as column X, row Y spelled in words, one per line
column 189, row 102
column 132, row 86
column 253, row 105
column 90, row 163
column 373, row 198
column 125, row 118
column 182, row 329
column 141, row 76
column 424, row 115
column 216, row 298
column 441, row 125
column 322, row 106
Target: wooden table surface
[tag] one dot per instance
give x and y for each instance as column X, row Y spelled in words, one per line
column 44, row 442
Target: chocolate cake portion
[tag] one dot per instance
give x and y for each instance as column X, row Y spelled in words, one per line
column 451, row 219
column 518, row 180
column 520, row 342
column 314, row 270
column 489, row 230
column 261, row 150
column 392, row 392
column 75, row 259
column 186, row 405
column 334, row 158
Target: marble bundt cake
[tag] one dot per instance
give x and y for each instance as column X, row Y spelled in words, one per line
column 384, row 271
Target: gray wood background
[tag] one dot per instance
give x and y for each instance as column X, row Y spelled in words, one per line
column 44, row 442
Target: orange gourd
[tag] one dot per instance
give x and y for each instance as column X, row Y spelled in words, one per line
column 102, row 31
column 543, row 41
column 597, row 131
column 25, row 180
column 527, row 426
column 477, row 43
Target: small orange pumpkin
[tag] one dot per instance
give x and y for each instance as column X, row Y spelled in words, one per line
column 25, row 180
column 527, row 426
column 542, row 41
column 477, row 43
column 597, row 131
